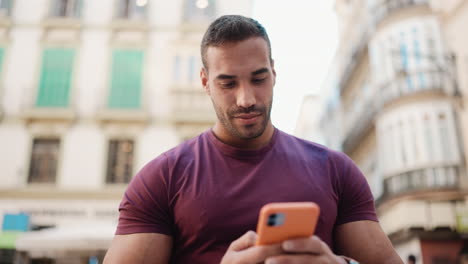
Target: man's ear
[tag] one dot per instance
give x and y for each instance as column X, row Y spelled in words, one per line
column 204, row 80
column 273, row 70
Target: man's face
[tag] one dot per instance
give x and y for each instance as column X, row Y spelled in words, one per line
column 240, row 79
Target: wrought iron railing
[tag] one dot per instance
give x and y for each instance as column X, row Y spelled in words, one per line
column 359, row 123
column 441, row 177
column 386, row 7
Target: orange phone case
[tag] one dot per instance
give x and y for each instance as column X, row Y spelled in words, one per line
column 300, row 220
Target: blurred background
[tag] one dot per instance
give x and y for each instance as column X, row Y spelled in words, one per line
column 91, row 90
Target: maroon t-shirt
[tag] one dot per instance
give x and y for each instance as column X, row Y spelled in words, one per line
column 206, row 194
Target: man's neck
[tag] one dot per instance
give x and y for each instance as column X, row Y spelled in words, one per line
column 252, row 144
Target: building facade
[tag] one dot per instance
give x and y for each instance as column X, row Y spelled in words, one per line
column 307, row 121
column 453, row 16
column 402, row 118
column 90, row 91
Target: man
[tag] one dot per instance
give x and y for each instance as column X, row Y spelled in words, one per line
column 197, row 202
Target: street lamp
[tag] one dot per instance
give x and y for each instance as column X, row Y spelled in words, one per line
column 202, row 4
column 141, row 3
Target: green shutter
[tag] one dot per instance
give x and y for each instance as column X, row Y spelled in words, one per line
column 56, row 74
column 126, row 79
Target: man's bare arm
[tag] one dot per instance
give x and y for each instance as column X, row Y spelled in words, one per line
column 366, row 242
column 144, row 248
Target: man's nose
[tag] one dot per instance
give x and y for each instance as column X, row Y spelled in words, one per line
column 246, row 96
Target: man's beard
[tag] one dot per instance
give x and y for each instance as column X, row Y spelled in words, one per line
column 244, row 131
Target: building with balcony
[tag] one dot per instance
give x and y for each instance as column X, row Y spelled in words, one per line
column 402, row 118
column 453, row 15
column 90, row 91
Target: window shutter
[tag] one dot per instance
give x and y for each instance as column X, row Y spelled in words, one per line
column 55, row 79
column 126, row 79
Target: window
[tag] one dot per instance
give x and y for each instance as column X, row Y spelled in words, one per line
column 403, row 52
column 177, row 65
column 199, row 10
column 405, row 60
column 391, row 59
column 44, row 158
column 403, row 146
column 417, row 57
column 391, row 147
column 5, row 8
column 56, row 76
column 120, row 161
column 66, row 8
column 414, row 141
column 445, row 136
column 431, row 45
column 126, row 79
column 132, row 9
column 429, row 138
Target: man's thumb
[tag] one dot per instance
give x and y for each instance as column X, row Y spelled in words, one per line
column 245, row 241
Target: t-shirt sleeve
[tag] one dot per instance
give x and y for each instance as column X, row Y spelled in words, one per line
column 356, row 202
column 145, row 205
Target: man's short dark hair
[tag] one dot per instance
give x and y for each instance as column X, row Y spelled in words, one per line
column 232, row 28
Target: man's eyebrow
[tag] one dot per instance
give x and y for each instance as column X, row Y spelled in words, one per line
column 225, row 77
column 229, row 77
column 260, row 71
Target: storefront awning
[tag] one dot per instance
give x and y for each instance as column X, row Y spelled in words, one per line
column 53, row 241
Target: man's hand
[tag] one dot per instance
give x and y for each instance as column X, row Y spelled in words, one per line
column 243, row 251
column 306, row 250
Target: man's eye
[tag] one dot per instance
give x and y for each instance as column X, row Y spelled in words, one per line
column 228, row 84
column 258, row 81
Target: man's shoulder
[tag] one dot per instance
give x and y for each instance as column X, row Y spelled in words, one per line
column 184, row 150
column 307, row 147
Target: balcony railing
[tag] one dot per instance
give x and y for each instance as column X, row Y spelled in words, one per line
column 415, row 82
column 387, row 7
column 443, row 177
column 192, row 106
column 359, row 123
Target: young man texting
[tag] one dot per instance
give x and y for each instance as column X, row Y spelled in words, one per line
column 198, row 202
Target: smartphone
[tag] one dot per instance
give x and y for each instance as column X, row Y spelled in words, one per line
column 282, row 221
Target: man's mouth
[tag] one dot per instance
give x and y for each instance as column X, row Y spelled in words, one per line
column 248, row 119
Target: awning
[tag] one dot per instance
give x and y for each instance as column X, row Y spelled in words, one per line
column 8, row 239
column 55, row 241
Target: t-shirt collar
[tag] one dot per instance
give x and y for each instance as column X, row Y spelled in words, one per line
column 240, row 153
